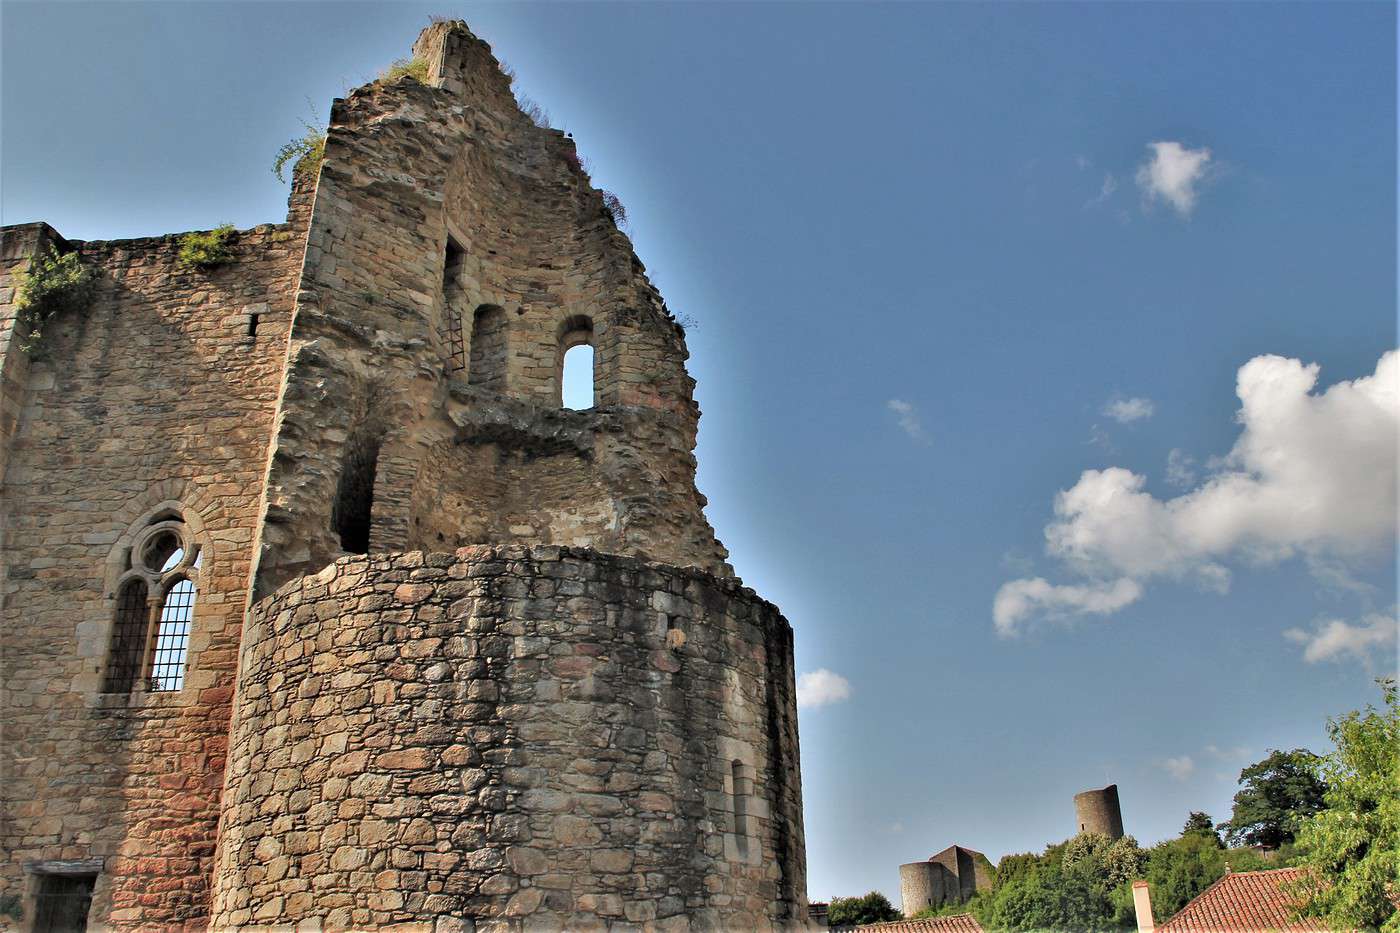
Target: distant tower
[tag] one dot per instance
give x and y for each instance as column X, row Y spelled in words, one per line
column 950, row 877
column 1097, row 811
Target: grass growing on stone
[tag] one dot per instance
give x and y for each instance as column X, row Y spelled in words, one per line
column 207, row 250
column 53, row 284
column 415, row 68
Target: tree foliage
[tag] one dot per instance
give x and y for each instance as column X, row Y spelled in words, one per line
column 1353, row 846
column 53, row 284
column 853, row 911
column 1278, row 794
column 1200, row 823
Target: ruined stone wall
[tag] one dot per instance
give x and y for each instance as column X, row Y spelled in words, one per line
column 512, row 738
column 440, row 210
column 156, row 398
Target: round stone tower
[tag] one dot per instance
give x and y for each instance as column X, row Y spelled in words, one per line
column 1097, row 811
column 497, row 672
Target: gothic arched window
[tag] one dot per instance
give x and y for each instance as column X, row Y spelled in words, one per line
column 150, row 638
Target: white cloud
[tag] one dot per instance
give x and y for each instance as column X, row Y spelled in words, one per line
column 1311, row 474
column 822, row 688
column 1181, row 468
column 896, row 827
column 1019, row 600
column 1336, row 640
column 1180, row 767
column 1230, row 753
column 1172, row 174
column 908, row 417
column 1110, row 185
column 1128, row 410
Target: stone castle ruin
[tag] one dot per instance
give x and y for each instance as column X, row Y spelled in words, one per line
column 321, row 611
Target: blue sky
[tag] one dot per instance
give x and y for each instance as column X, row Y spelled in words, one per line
column 937, row 273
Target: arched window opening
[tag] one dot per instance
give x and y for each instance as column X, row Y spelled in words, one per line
column 128, row 644
column 742, row 788
column 148, row 650
column 578, row 377
column 574, row 376
column 488, row 358
column 353, row 509
column 173, row 637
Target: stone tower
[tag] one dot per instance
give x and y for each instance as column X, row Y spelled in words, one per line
column 952, row 876
column 321, row 609
column 1097, row 811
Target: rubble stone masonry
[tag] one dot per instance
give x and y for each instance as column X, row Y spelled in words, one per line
column 511, row 732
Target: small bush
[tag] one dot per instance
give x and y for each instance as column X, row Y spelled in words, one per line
column 53, row 284
column 415, row 68
column 10, row 907
column 535, row 112
column 613, row 206
column 304, row 153
column 206, row 250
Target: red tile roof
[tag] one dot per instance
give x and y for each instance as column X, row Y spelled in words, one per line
column 957, row 923
column 1245, row 902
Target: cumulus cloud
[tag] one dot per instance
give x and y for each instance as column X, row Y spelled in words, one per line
column 1020, row 600
column 1180, row 767
column 1181, row 468
column 908, row 417
column 1312, row 474
column 1172, row 174
column 822, row 688
column 1128, row 410
column 1337, row 640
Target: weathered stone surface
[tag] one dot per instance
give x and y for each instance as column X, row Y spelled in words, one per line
column 517, row 824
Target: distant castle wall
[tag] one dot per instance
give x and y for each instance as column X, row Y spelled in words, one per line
column 1097, row 811
column 507, row 732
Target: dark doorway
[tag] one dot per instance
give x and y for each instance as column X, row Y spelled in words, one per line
column 61, row 903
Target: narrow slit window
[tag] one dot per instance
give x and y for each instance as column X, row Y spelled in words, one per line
column 252, row 325
column 743, row 786
column 173, row 637
column 128, row 638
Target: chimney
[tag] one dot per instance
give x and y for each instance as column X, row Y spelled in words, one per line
column 1142, row 905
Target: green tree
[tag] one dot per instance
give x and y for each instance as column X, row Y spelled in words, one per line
column 853, row 911
column 1200, row 823
column 1353, row 846
column 1278, row 793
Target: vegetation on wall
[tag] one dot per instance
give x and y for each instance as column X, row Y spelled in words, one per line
column 303, row 153
column 208, row 249
column 415, row 68
column 613, row 206
column 53, row 284
column 1352, row 846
